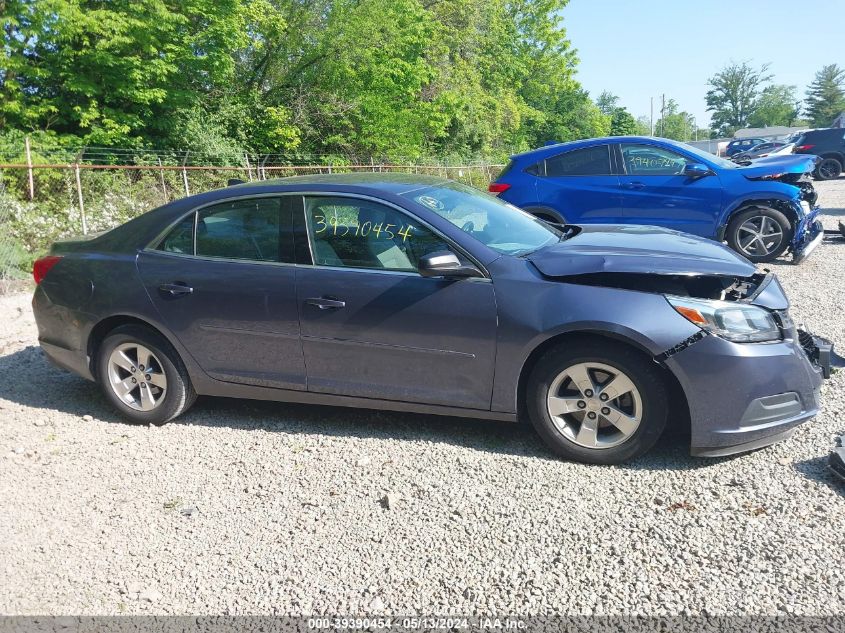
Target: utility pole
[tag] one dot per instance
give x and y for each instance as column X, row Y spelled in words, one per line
column 662, row 113
column 651, row 100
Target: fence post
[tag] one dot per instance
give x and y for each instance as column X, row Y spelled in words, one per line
column 163, row 183
column 185, row 174
column 29, row 169
column 248, row 167
column 81, row 202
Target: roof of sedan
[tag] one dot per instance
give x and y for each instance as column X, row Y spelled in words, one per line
column 392, row 182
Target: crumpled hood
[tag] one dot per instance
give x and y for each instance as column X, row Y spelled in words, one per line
column 780, row 164
column 619, row 248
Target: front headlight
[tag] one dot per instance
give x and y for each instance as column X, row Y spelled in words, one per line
column 737, row 322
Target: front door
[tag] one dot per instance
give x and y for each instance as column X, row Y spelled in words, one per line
column 224, row 283
column 372, row 326
column 655, row 191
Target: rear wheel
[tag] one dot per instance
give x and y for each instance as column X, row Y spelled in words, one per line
column 597, row 403
column 761, row 234
column 143, row 376
column 828, row 169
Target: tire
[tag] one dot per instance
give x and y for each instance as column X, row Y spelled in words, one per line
column 169, row 387
column 828, row 169
column 756, row 219
column 603, row 360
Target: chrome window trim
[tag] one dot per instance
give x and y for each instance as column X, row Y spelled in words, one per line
column 152, row 246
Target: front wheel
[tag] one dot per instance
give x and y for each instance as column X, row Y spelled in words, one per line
column 761, row 234
column 597, row 403
column 143, row 376
column 828, row 169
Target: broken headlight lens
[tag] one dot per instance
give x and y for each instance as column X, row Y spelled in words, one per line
column 737, row 322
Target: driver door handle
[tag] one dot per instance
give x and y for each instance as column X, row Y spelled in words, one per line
column 635, row 185
column 176, row 289
column 326, row 303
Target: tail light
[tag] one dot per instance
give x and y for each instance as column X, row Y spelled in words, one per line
column 804, row 148
column 498, row 187
column 43, row 266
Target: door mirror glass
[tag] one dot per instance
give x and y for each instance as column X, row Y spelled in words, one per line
column 696, row 170
column 445, row 264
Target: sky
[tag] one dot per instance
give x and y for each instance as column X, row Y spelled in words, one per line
column 639, row 49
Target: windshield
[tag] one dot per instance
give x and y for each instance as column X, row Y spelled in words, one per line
column 707, row 156
column 493, row 222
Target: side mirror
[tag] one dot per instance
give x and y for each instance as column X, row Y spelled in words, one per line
column 697, row 170
column 445, row 264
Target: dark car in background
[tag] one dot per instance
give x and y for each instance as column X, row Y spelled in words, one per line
column 758, row 151
column 829, row 146
column 738, row 145
column 407, row 293
column 762, row 210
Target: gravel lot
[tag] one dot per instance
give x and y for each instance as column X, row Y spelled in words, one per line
column 248, row 507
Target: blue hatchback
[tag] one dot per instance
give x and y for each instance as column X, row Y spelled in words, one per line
column 761, row 210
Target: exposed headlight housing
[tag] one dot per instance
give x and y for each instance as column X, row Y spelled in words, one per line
column 737, row 322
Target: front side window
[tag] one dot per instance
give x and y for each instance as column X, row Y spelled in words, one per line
column 648, row 160
column 242, row 229
column 359, row 233
column 589, row 161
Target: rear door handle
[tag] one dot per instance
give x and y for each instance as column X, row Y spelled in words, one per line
column 635, row 185
column 326, row 303
column 176, row 289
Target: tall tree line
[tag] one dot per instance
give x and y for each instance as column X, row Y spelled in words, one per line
column 392, row 78
column 740, row 95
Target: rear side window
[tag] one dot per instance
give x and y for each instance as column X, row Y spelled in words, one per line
column 589, row 161
column 243, row 229
column 181, row 237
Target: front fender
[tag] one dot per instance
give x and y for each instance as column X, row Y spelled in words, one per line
column 534, row 312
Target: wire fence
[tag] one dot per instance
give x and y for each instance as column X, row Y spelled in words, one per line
column 40, row 203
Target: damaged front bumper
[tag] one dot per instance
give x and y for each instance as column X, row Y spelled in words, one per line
column 745, row 396
column 809, row 233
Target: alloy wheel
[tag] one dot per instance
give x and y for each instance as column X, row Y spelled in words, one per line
column 594, row 405
column 759, row 236
column 137, row 376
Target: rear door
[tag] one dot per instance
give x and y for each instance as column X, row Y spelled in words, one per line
column 223, row 281
column 655, row 190
column 581, row 185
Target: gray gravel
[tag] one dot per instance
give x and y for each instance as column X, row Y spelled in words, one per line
column 248, row 507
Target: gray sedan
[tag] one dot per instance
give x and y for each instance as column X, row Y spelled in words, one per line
column 406, row 293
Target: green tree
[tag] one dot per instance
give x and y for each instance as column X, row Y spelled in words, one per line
column 110, row 71
column 825, row 96
column 607, row 102
column 777, row 105
column 733, row 93
column 622, row 123
column 675, row 124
